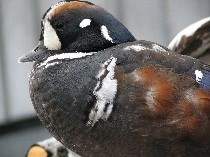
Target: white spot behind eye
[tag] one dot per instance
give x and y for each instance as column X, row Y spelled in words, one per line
column 105, row 33
column 85, row 23
column 51, row 40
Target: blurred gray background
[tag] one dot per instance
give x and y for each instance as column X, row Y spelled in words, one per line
column 154, row 20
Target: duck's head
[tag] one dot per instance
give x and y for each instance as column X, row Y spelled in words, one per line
column 77, row 26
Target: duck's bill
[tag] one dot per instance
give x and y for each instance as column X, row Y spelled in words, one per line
column 36, row 54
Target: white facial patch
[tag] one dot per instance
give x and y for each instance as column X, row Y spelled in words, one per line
column 105, row 33
column 85, row 23
column 105, row 92
column 199, row 75
column 51, row 40
column 50, row 61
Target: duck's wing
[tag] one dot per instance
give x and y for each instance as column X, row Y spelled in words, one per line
column 194, row 41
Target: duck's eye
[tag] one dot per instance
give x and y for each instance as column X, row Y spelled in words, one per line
column 59, row 25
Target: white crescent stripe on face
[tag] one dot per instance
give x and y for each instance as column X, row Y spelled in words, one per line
column 105, row 33
column 51, row 40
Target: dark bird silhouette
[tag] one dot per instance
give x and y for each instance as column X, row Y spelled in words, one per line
column 102, row 93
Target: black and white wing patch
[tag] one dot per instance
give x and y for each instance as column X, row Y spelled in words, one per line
column 194, row 41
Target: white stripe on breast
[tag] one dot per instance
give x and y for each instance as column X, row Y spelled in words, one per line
column 105, row 92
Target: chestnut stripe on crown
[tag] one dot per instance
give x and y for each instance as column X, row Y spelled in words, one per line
column 64, row 6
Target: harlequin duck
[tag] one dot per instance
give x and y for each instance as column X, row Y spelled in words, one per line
column 101, row 93
column 194, row 40
column 49, row 148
